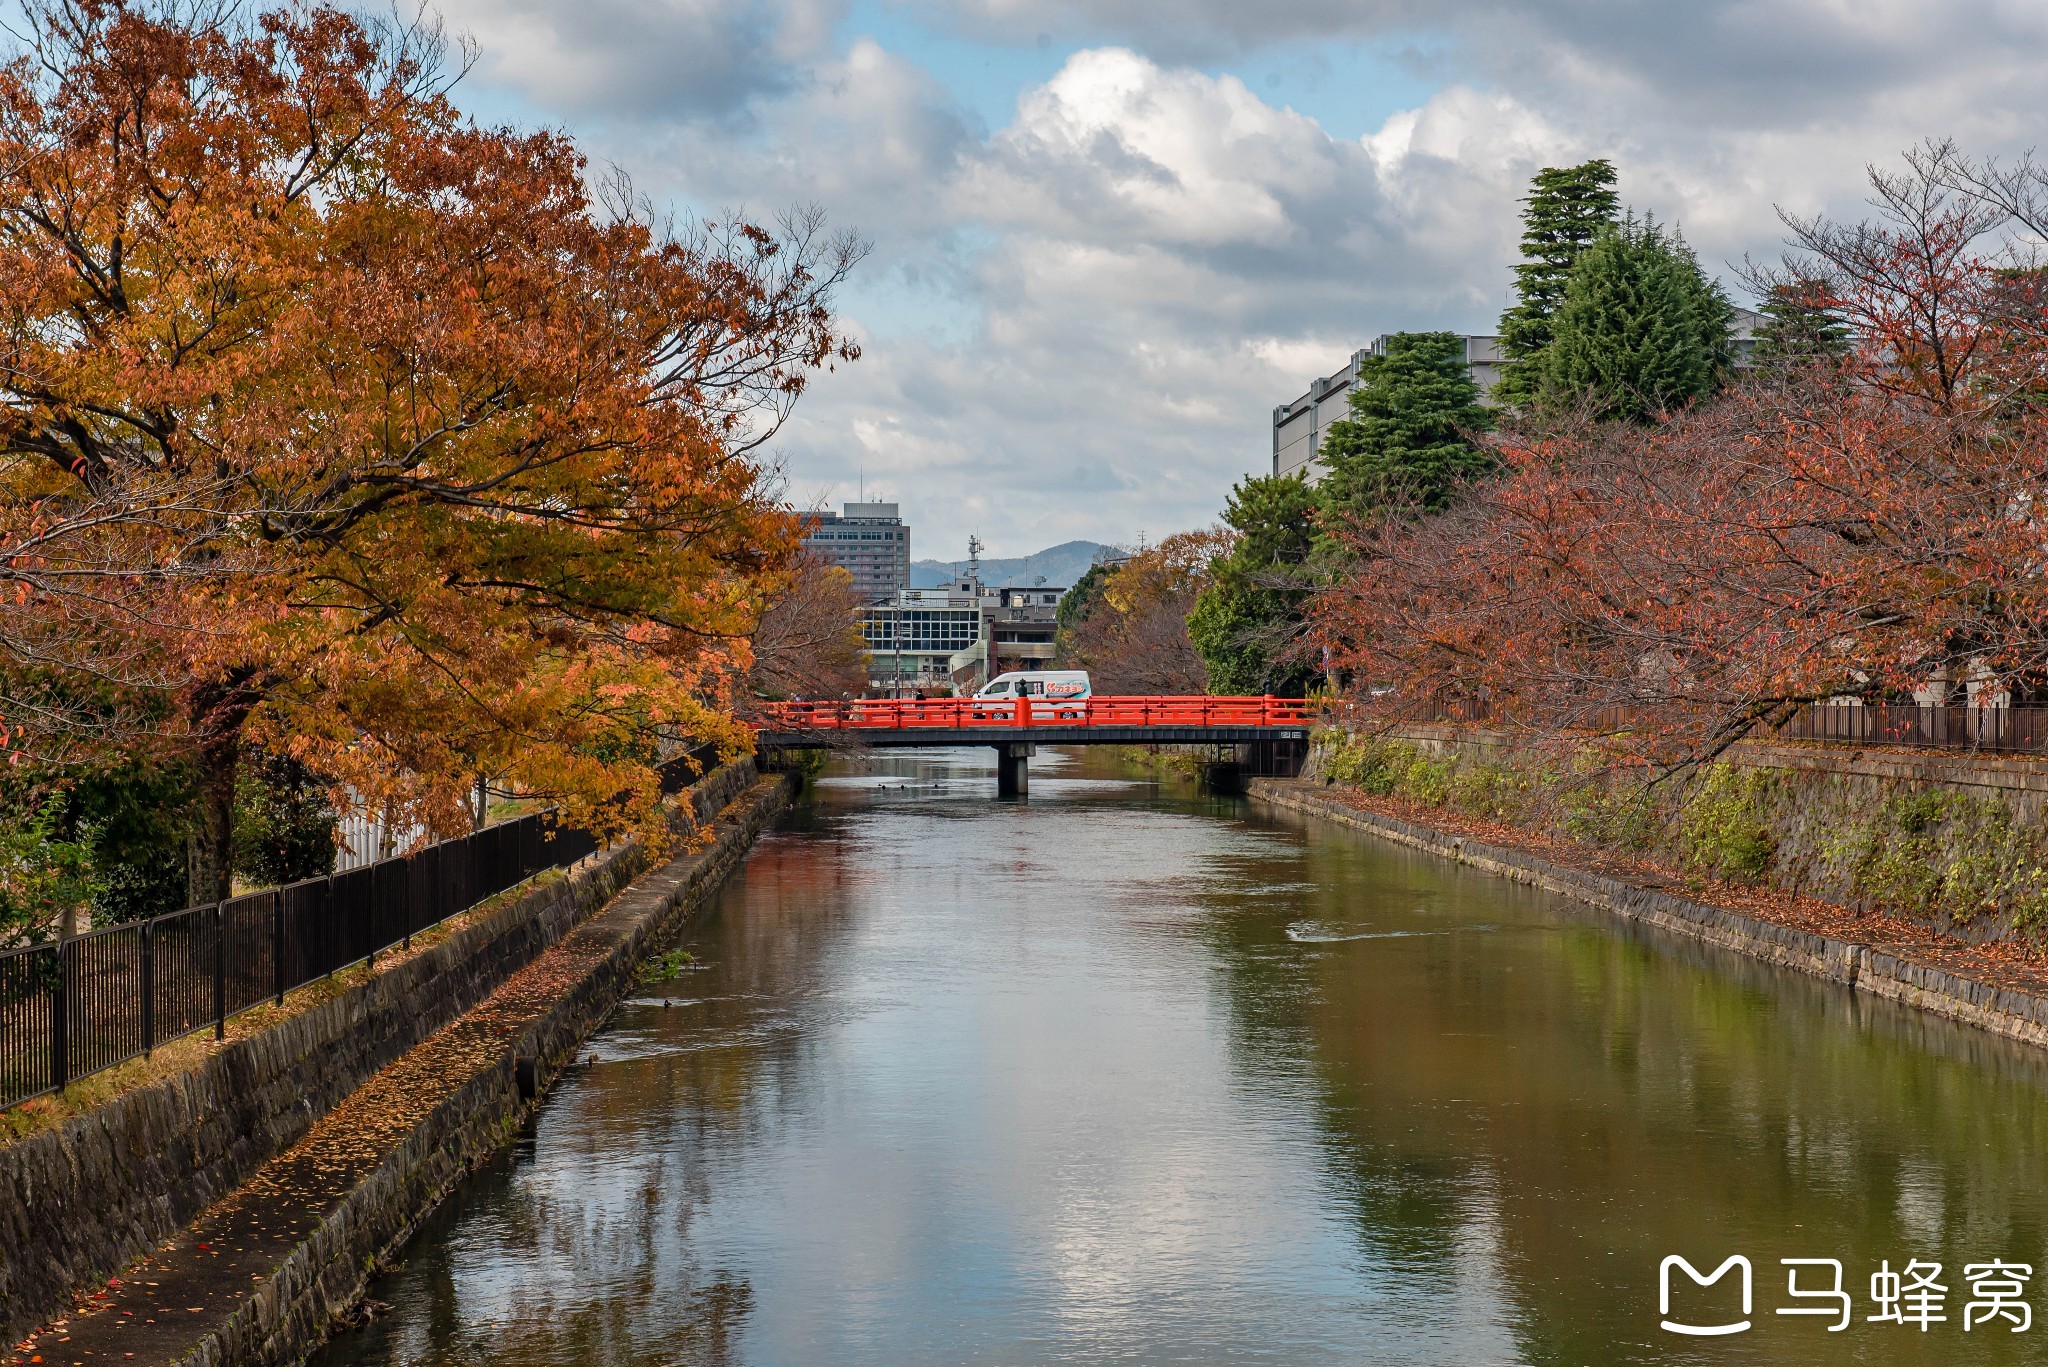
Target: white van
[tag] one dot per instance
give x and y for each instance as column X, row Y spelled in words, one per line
column 1051, row 685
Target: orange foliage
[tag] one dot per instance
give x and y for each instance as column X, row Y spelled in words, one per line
column 1135, row 641
column 338, row 422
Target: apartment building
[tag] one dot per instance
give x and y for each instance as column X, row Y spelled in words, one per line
column 869, row 542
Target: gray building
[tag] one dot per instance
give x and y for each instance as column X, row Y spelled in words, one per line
column 869, row 542
column 1299, row 427
column 961, row 634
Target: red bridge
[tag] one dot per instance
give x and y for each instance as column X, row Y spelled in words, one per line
column 1269, row 733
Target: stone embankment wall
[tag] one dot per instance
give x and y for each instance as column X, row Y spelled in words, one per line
column 80, row 1202
column 1956, row 842
column 2018, row 1015
column 534, row 1034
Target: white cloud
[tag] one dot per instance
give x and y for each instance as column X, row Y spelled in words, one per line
column 1078, row 324
column 644, row 58
column 1168, row 245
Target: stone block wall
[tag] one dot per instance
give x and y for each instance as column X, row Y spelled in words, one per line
column 1956, row 841
column 80, row 1202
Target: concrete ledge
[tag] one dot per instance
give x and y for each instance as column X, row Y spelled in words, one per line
column 2017, row 1015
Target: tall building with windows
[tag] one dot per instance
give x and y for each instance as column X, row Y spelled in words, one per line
column 869, row 542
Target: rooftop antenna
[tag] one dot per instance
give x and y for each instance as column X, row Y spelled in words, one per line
column 974, row 557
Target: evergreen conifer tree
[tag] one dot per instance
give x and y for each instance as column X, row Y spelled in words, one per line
column 1247, row 622
column 1406, row 438
column 1641, row 329
column 1802, row 328
column 1567, row 208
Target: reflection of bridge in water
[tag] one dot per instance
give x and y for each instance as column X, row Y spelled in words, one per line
column 1251, row 735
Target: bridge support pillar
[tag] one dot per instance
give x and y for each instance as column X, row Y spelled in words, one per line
column 1225, row 777
column 1013, row 769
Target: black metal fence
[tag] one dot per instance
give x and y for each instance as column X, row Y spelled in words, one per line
column 2013, row 729
column 2010, row 730
column 92, row 1001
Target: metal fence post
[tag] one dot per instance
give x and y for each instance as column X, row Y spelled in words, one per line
column 220, row 971
column 148, row 987
column 366, row 922
column 277, row 943
column 60, row 1013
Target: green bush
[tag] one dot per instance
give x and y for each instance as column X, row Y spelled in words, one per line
column 1932, row 853
column 111, row 843
column 1621, row 816
column 284, row 823
column 1723, row 828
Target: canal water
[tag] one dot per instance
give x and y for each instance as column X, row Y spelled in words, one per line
column 1123, row 1073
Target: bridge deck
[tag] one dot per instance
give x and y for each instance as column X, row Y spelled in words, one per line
column 933, row 722
column 935, row 737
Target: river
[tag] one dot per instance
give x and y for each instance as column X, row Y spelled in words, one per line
column 1127, row 1073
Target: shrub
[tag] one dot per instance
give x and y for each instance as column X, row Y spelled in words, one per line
column 1722, row 828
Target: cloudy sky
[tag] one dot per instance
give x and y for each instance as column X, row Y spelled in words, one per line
column 1109, row 235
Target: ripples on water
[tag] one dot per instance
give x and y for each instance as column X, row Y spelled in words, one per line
column 1122, row 1073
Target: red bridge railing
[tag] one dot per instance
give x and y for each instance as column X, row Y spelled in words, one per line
column 953, row 714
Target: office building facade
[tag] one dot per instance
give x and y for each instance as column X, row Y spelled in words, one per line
column 869, row 542
column 1299, row 427
column 959, row 635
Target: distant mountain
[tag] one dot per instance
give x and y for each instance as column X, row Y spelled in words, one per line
column 1060, row 566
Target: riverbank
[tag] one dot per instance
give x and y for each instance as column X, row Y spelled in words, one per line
column 1997, row 986
column 1957, row 843
column 266, row 1272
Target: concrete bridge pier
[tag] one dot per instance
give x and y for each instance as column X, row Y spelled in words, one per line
column 1013, row 770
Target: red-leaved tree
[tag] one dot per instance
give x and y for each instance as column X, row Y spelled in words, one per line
column 1867, row 527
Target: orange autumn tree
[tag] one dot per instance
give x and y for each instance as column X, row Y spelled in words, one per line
column 336, row 423
column 1134, row 640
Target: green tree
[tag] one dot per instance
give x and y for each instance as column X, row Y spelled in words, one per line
column 109, row 842
column 1078, row 603
column 284, row 822
column 1567, row 207
column 1247, row 623
column 1802, row 327
column 1274, row 517
column 1641, row 331
column 1407, row 437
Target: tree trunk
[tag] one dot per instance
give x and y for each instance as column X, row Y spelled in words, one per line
column 217, row 709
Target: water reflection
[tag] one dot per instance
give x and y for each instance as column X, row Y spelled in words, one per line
column 1124, row 1073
